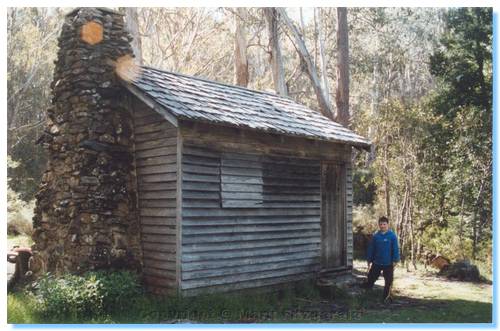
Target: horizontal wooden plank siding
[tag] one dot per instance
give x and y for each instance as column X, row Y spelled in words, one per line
column 156, row 168
column 247, row 220
column 349, row 203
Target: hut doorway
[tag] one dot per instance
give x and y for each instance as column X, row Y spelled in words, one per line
column 333, row 216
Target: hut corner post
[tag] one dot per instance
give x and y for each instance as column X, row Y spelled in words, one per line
column 85, row 215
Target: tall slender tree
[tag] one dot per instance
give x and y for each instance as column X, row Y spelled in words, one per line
column 132, row 25
column 240, row 49
column 322, row 54
column 276, row 58
column 342, row 95
column 324, row 106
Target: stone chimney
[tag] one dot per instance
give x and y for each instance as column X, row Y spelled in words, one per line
column 85, row 216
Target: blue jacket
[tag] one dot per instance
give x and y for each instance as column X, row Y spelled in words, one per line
column 383, row 248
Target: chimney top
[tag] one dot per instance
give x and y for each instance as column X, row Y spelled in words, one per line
column 102, row 9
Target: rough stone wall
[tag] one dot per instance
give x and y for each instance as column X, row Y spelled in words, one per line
column 85, row 216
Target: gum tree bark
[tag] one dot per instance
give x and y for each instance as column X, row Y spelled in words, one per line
column 322, row 56
column 240, row 50
column 324, row 106
column 271, row 16
column 132, row 26
column 342, row 95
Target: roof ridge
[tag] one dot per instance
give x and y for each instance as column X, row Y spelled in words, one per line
column 199, row 99
column 220, row 83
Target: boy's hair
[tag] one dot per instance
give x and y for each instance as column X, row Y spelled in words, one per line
column 383, row 219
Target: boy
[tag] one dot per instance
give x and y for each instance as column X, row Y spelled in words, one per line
column 382, row 255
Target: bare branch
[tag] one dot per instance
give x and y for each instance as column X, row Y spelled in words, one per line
column 300, row 46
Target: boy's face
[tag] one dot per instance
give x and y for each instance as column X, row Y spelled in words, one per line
column 383, row 226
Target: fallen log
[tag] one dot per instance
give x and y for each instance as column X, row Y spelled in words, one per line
column 461, row 270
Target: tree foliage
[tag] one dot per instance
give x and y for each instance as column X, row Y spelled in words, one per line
column 463, row 65
column 31, row 50
column 420, row 89
column 432, row 160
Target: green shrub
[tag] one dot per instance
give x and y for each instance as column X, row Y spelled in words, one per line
column 118, row 288
column 91, row 294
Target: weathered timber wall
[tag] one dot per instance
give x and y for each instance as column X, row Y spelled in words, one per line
column 349, row 202
column 239, row 140
column 250, row 208
column 244, row 225
column 156, row 166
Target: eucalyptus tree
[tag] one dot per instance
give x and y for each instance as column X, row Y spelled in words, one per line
column 31, row 50
column 275, row 57
column 461, row 142
column 240, row 48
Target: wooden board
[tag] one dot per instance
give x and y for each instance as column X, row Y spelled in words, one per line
column 156, row 171
column 333, row 216
column 349, row 205
column 237, row 140
column 247, row 225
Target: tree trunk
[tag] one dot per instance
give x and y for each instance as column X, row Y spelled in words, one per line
column 322, row 57
column 475, row 222
column 342, row 96
column 373, row 107
column 402, row 225
column 276, row 59
column 132, row 26
column 461, row 229
column 302, row 24
column 240, row 50
column 412, row 228
column 324, row 106
column 387, row 183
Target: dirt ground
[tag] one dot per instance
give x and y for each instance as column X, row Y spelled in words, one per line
column 422, row 284
column 423, row 296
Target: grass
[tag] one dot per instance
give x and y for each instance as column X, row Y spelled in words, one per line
column 210, row 309
column 418, row 299
column 214, row 308
column 20, row 309
column 447, row 311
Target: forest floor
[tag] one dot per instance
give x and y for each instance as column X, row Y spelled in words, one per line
column 419, row 297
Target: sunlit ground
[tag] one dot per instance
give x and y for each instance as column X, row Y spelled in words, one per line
column 421, row 297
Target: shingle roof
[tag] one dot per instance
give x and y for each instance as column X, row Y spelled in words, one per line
column 197, row 99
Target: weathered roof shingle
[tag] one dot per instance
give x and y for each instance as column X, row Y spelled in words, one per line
column 197, row 99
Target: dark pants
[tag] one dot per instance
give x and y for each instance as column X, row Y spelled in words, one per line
column 374, row 273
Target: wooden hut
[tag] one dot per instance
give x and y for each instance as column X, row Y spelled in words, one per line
column 237, row 188
column 201, row 186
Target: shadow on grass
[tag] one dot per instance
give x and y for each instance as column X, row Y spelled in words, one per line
column 368, row 308
column 302, row 303
column 310, row 304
